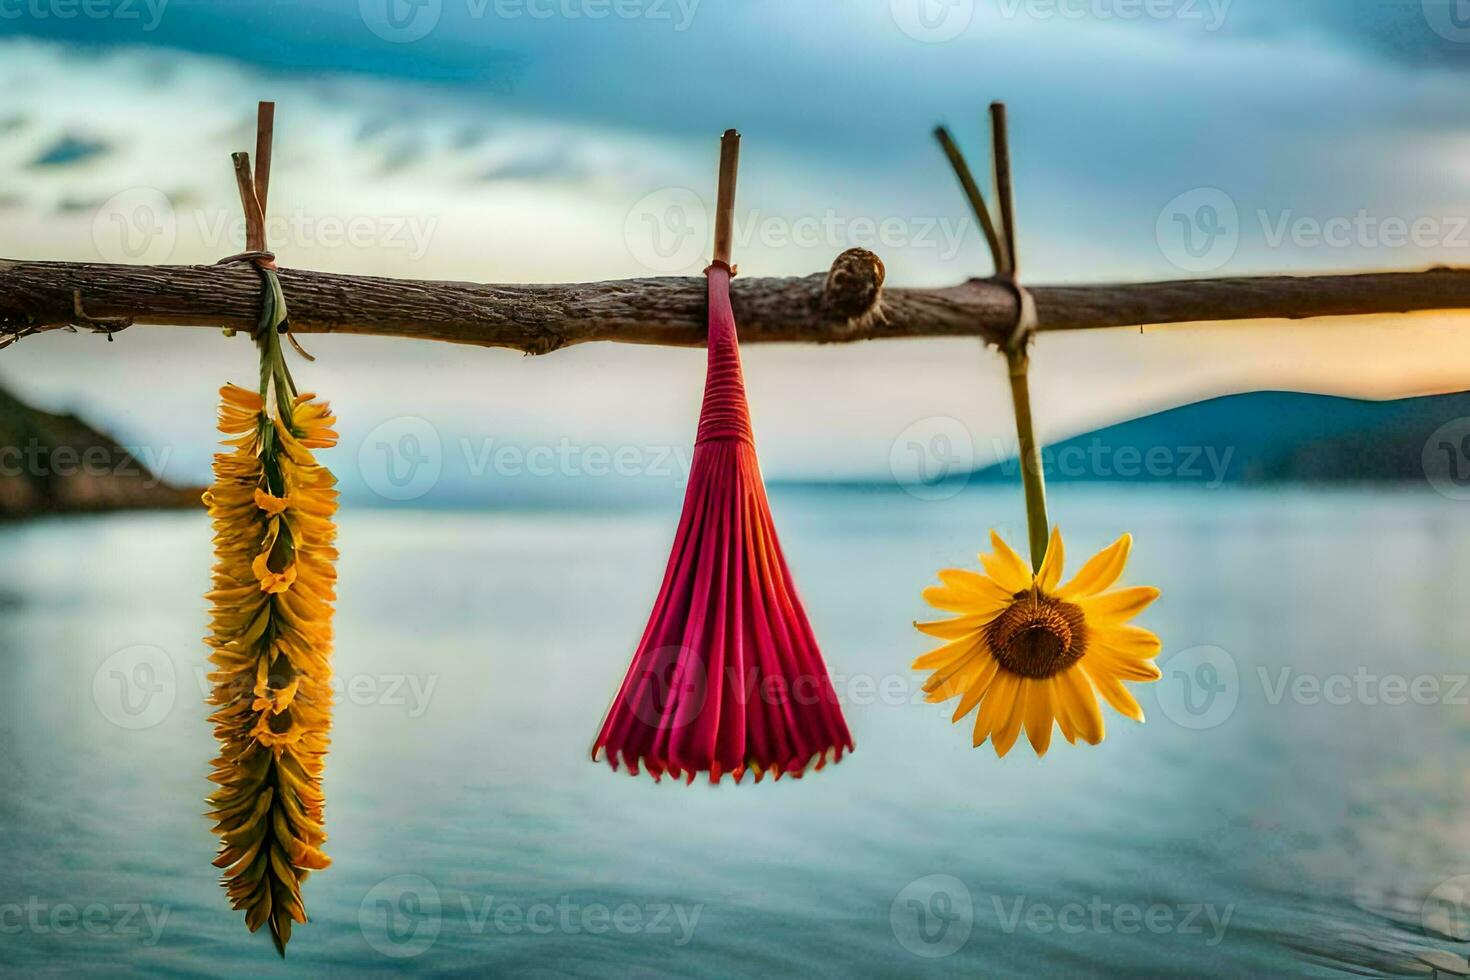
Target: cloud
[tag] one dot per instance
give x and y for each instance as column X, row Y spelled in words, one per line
column 69, row 149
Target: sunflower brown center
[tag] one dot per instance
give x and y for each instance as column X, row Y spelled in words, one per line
column 1038, row 635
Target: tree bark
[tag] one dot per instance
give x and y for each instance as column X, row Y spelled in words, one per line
column 849, row 303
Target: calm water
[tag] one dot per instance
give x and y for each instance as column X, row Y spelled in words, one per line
column 1287, row 808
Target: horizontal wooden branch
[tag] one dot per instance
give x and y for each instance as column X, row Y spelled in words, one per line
column 848, row 303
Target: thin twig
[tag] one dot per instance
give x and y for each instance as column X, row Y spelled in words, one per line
column 976, row 199
column 1001, row 161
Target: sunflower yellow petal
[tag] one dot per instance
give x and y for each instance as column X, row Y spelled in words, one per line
column 984, row 593
column 1081, row 704
column 977, row 686
column 995, row 707
column 1040, row 714
column 1127, row 668
column 1112, row 689
column 1008, row 569
column 1130, row 641
column 1117, row 607
column 950, row 654
column 1004, row 735
column 954, row 629
column 1051, row 566
column 1100, row 572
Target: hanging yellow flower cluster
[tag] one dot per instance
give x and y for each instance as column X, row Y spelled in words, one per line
column 274, row 578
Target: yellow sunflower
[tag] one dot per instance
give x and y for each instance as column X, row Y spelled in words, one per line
column 1028, row 651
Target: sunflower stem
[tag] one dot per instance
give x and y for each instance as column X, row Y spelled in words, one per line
column 1032, row 476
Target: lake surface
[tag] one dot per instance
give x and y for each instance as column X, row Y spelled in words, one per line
column 1296, row 803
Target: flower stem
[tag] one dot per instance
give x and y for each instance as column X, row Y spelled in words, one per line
column 1032, row 477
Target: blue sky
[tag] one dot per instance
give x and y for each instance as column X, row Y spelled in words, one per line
column 531, row 140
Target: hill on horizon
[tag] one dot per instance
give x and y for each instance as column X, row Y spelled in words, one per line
column 1268, row 437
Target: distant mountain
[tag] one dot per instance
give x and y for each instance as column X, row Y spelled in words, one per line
column 58, row 464
column 1270, row 437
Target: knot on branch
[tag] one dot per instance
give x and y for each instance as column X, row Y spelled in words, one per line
column 854, row 287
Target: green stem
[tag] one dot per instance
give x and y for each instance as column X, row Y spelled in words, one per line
column 1032, row 476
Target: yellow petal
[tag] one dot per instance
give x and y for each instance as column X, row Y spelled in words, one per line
column 1128, row 641
column 1100, row 572
column 1126, row 668
column 1006, row 567
column 966, row 592
column 1004, row 735
column 1074, row 688
column 1051, row 566
column 976, row 688
column 949, row 654
column 995, row 706
column 1113, row 608
column 985, row 593
column 1112, row 689
column 1039, row 714
column 954, row 629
